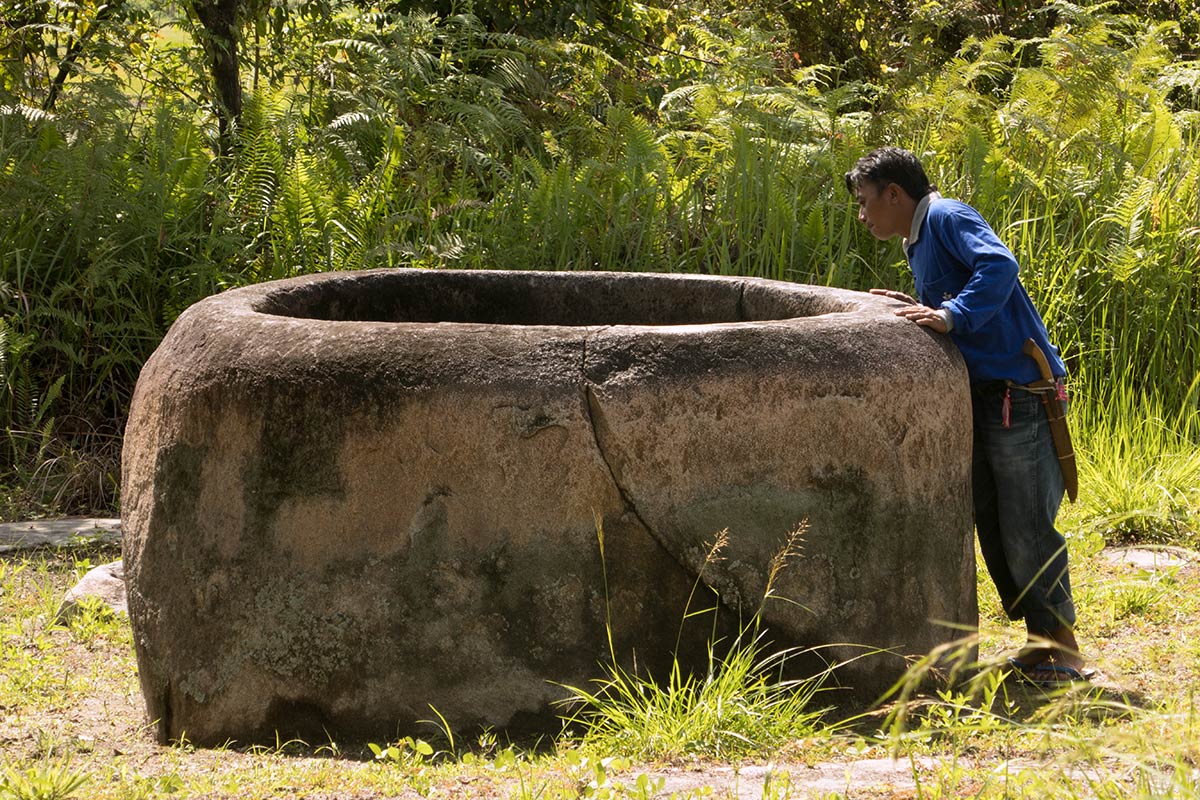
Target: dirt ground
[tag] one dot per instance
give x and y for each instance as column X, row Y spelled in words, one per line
column 69, row 694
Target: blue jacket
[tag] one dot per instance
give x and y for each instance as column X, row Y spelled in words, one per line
column 960, row 264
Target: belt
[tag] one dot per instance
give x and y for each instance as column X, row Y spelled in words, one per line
column 1002, row 386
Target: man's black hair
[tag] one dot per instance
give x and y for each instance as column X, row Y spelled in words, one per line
column 890, row 165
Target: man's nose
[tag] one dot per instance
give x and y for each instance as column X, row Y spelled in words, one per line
column 862, row 215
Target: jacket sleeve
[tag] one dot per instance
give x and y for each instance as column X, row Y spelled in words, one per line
column 992, row 265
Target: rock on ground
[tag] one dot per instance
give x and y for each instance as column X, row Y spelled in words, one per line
column 105, row 583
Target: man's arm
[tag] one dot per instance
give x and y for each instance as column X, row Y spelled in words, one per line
column 993, row 268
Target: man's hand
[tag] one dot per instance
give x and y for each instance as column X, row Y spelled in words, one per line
column 889, row 294
column 924, row 316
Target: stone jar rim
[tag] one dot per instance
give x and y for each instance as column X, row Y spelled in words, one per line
column 509, row 301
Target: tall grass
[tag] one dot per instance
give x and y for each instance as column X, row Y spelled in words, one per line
column 743, row 703
column 742, row 706
column 1140, row 466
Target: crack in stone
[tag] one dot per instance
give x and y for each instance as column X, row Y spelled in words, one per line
column 594, row 413
column 741, row 305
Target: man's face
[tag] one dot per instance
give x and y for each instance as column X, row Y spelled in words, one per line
column 880, row 209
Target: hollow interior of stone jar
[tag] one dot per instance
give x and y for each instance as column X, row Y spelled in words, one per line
column 541, row 298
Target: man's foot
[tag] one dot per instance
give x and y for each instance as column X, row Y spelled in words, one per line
column 1048, row 675
column 1051, row 659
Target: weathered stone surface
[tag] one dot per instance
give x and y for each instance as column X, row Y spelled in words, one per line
column 105, row 583
column 351, row 497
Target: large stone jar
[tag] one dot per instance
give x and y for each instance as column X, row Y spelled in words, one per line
column 353, row 499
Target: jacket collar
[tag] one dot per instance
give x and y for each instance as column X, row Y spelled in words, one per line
column 919, row 213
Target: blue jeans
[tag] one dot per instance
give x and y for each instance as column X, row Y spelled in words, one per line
column 1017, row 486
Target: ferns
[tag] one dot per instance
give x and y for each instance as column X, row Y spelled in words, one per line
column 30, row 114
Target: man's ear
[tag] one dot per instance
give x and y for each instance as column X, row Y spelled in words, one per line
column 893, row 192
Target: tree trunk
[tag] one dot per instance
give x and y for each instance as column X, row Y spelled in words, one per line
column 74, row 52
column 220, row 40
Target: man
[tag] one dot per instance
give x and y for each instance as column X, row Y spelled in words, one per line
column 967, row 286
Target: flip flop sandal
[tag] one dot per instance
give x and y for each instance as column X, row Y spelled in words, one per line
column 1063, row 675
column 1020, row 667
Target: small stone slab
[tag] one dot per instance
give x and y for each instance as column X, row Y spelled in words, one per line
column 1150, row 557
column 15, row 536
column 873, row 777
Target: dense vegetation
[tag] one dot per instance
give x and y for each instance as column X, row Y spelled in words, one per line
column 693, row 136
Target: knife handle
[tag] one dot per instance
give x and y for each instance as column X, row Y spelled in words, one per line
column 1033, row 351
